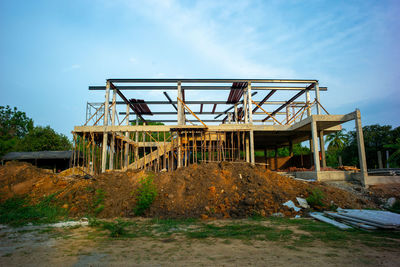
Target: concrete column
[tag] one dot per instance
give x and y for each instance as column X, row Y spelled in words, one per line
column 252, row 156
column 361, row 148
column 250, row 111
column 380, row 163
column 112, row 144
column 308, row 103
column 317, row 97
column 322, row 148
column 181, row 109
column 387, row 159
column 127, row 135
column 249, row 103
column 315, row 145
column 105, row 123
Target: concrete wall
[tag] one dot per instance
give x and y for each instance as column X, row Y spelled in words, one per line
column 324, row 175
column 281, row 163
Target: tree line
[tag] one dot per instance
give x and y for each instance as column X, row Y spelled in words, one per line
column 18, row 133
column 377, row 139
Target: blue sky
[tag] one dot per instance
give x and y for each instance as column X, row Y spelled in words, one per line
column 52, row 50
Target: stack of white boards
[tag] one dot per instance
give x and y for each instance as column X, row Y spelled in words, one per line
column 366, row 219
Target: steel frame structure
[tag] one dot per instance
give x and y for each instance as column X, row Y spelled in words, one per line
column 117, row 142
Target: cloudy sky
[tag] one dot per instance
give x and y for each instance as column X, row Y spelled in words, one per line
column 50, row 51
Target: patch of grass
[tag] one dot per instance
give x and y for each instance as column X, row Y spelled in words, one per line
column 18, row 211
column 98, row 204
column 239, row 231
column 116, row 229
column 315, row 198
column 145, row 195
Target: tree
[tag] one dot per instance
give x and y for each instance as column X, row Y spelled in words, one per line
column 336, row 141
column 14, row 125
column 394, row 158
column 42, row 139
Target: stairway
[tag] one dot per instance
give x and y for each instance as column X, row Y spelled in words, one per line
column 151, row 157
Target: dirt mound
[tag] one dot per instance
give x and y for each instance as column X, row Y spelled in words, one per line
column 206, row 190
column 236, row 190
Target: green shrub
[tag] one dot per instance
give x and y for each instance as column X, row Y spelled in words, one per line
column 315, row 198
column 116, row 229
column 145, row 195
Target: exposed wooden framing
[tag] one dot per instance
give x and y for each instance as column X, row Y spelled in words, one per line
column 127, row 136
column 287, row 103
column 97, row 110
column 273, row 117
column 264, row 99
column 183, row 103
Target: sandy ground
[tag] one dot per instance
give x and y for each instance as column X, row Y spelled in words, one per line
column 83, row 246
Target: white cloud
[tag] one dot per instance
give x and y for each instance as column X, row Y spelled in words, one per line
column 72, row 67
column 196, row 29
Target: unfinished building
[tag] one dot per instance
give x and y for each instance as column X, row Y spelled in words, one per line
column 212, row 120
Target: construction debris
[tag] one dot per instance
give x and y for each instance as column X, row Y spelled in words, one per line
column 320, row 216
column 291, row 205
column 366, row 219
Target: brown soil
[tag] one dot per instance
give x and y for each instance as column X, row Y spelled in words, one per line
column 236, row 190
column 386, row 190
column 213, row 190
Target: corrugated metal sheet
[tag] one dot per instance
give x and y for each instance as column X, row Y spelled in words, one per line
column 140, row 107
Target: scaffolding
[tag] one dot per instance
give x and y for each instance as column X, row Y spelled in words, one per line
column 112, row 139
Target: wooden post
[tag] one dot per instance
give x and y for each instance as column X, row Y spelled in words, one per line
column 276, row 158
column 93, row 159
column 245, row 109
column 179, row 150
column 361, row 149
column 105, row 134
column 315, row 145
column 127, row 135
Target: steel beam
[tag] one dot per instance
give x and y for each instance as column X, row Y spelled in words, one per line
column 209, row 80
column 199, row 87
